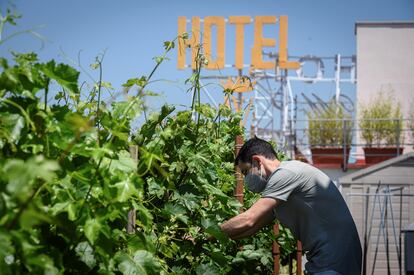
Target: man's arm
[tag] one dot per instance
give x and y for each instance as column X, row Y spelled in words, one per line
column 250, row 221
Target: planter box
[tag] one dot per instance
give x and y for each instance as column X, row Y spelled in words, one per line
column 378, row 154
column 329, row 155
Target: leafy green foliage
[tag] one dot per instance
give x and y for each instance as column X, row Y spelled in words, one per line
column 329, row 127
column 381, row 121
column 67, row 181
column 63, row 74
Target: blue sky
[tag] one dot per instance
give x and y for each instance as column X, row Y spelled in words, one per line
column 132, row 32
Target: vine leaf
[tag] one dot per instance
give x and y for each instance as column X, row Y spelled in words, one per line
column 143, row 262
column 65, row 75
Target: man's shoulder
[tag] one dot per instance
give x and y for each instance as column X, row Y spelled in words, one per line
column 283, row 181
column 292, row 162
column 285, row 172
column 295, row 166
column 285, row 168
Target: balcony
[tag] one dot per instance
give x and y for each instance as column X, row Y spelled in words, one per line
column 349, row 143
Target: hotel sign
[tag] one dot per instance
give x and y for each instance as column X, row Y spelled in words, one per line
column 239, row 22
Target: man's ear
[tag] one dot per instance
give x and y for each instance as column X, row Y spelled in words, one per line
column 257, row 158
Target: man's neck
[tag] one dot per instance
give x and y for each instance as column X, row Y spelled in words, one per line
column 270, row 166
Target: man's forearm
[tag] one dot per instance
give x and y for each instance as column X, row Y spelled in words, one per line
column 238, row 227
column 249, row 222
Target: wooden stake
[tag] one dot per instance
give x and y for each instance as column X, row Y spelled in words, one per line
column 276, row 251
column 299, row 259
column 239, row 178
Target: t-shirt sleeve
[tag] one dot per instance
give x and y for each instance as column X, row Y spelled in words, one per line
column 281, row 184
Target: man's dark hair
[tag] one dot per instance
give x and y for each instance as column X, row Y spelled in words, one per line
column 255, row 146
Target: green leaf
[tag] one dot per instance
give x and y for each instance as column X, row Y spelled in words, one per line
column 107, row 85
column 180, row 270
column 210, row 189
column 140, row 82
column 24, row 77
column 44, row 263
column 32, row 148
column 6, row 247
column 168, row 45
column 211, row 227
column 191, row 201
column 143, row 262
column 21, row 174
column 141, row 241
column 207, row 269
column 155, row 188
column 148, row 129
column 147, row 260
column 67, row 206
column 11, row 126
column 62, row 74
column 32, row 217
column 177, row 211
column 92, row 228
column 219, row 257
column 126, row 189
column 250, row 255
column 85, row 253
column 144, row 216
column 124, row 163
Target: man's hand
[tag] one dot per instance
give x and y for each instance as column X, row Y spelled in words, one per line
column 188, row 237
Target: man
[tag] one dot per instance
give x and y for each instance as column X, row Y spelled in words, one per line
column 303, row 199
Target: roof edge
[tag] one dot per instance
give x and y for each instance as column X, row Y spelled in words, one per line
column 377, row 24
column 348, row 179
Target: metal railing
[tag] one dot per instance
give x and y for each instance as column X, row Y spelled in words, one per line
column 349, row 139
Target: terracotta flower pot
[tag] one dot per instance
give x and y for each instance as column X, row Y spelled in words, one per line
column 378, row 154
column 322, row 155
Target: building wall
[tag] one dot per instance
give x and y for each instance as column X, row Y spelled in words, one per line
column 368, row 209
column 363, row 207
column 385, row 61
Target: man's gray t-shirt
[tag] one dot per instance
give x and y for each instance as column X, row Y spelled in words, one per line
column 311, row 206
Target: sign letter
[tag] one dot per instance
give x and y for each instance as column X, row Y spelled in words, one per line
column 283, row 62
column 239, row 21
column 193, row 42
column 260, row 42
column 209, row 21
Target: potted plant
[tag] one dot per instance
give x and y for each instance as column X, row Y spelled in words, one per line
column 329, row 133
column 381, row 127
